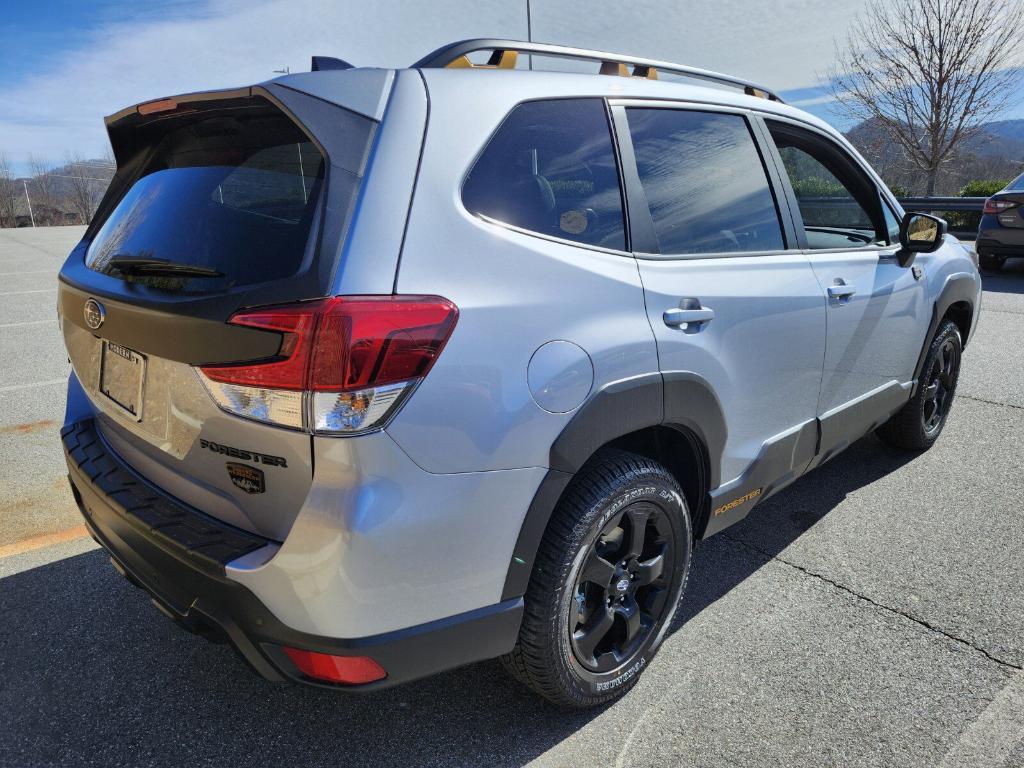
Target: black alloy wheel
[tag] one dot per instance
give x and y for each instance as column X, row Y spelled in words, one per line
column 622, row 589
column 606, row 582
column 918, row 424
column 939, row 385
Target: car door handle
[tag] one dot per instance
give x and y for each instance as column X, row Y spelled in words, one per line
column 841, row 290
column 684, row 315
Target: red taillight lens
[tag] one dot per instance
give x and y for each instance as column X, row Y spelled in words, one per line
column 347, row 670
column 346, row 343
column 288, row 369
column 995, row 205
column 354, row 357
column 377, row 340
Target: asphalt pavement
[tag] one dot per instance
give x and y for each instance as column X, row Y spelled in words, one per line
column 872, row 614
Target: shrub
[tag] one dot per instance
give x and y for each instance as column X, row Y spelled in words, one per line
column 982, row 187
column 899, row 190
column 962, row 221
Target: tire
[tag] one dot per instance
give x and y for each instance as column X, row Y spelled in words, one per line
column 918, row 424
column 569, row 650
column 991, row 263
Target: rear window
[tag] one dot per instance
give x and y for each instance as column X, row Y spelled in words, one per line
column 550, row 168
column 706, row 186
column 235, row 193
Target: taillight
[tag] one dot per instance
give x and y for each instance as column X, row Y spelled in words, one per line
column 995, row 205
column 344, row 366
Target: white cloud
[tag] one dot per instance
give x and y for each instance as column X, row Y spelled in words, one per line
column 229, row 44
column 784, row 44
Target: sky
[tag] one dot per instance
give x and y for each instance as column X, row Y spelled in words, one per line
column 66, row 64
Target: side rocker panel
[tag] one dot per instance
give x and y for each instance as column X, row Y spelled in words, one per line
column 781, row 460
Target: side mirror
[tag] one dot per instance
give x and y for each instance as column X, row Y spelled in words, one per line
column 920, row 233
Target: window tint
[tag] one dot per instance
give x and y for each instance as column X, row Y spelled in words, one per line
column 705, row 183
column 550, row 168
column 1017, row 185
column 840, row 207
column 275, row 182
column 235, row 193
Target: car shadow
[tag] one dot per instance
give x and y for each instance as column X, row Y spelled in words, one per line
column 1009, row 279
column 91, row 672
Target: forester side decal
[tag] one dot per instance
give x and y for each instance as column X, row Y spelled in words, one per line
column 736, row 502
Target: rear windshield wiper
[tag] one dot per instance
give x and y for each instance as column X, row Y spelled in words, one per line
column 136, row 265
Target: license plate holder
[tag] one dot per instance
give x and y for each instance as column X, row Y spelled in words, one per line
column 123, row 377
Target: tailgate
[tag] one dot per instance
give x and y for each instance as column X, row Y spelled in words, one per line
column 221, row 202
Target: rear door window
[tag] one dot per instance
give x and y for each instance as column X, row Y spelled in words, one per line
column 705, row 182
column 234, row 193
column 550, row 168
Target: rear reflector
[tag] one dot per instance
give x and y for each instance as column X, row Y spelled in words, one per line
column 345, row 364
column 347, row 670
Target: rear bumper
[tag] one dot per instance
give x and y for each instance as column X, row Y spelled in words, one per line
column 997, row 240
column 178, row 555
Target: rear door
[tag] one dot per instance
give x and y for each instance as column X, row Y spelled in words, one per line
column 729, row 302
column 877, row 314
column 220, row 203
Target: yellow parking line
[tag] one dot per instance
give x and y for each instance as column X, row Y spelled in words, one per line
column 43, row 540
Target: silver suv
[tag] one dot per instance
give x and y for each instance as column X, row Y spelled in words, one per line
column 381, row 372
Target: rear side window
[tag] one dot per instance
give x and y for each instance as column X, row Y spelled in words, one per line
column 234, row 192
column 704, row 181
column 550, row 168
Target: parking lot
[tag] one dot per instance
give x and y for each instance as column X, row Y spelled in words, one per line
column 872, row 614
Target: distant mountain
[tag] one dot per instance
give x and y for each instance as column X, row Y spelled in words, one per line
column 1007, row 129
column 996, row 151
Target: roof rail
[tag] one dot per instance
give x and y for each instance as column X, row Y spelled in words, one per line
column 456, row 55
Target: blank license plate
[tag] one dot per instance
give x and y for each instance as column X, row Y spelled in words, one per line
column 122, row 377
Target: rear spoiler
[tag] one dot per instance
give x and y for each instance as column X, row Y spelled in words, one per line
column 173, row 103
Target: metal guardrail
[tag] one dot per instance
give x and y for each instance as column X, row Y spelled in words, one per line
column 960, row 225
column 926, row 204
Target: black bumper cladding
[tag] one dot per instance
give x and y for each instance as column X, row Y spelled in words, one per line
column 178, row 554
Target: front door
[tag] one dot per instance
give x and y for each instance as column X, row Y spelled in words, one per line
column 877, row 314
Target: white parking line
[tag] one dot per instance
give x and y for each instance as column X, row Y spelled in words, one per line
column 12, row 387
column 40, row 290
column 31, row 272
column 991, row 738
column 22, row 325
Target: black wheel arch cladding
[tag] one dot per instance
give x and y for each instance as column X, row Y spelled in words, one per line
column 958, row 291
column 674, row 399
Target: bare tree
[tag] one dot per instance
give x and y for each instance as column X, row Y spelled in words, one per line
column 43, row 188
column 930, row 72
column 82, row 188
column 8, row 194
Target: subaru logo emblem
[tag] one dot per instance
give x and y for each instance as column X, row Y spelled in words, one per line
column 622, row 585
column 94, row 314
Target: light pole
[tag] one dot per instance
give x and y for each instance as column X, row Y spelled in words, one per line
column 28, row 200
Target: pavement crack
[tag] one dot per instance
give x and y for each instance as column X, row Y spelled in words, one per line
column 842, row 587
column 989, row 402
